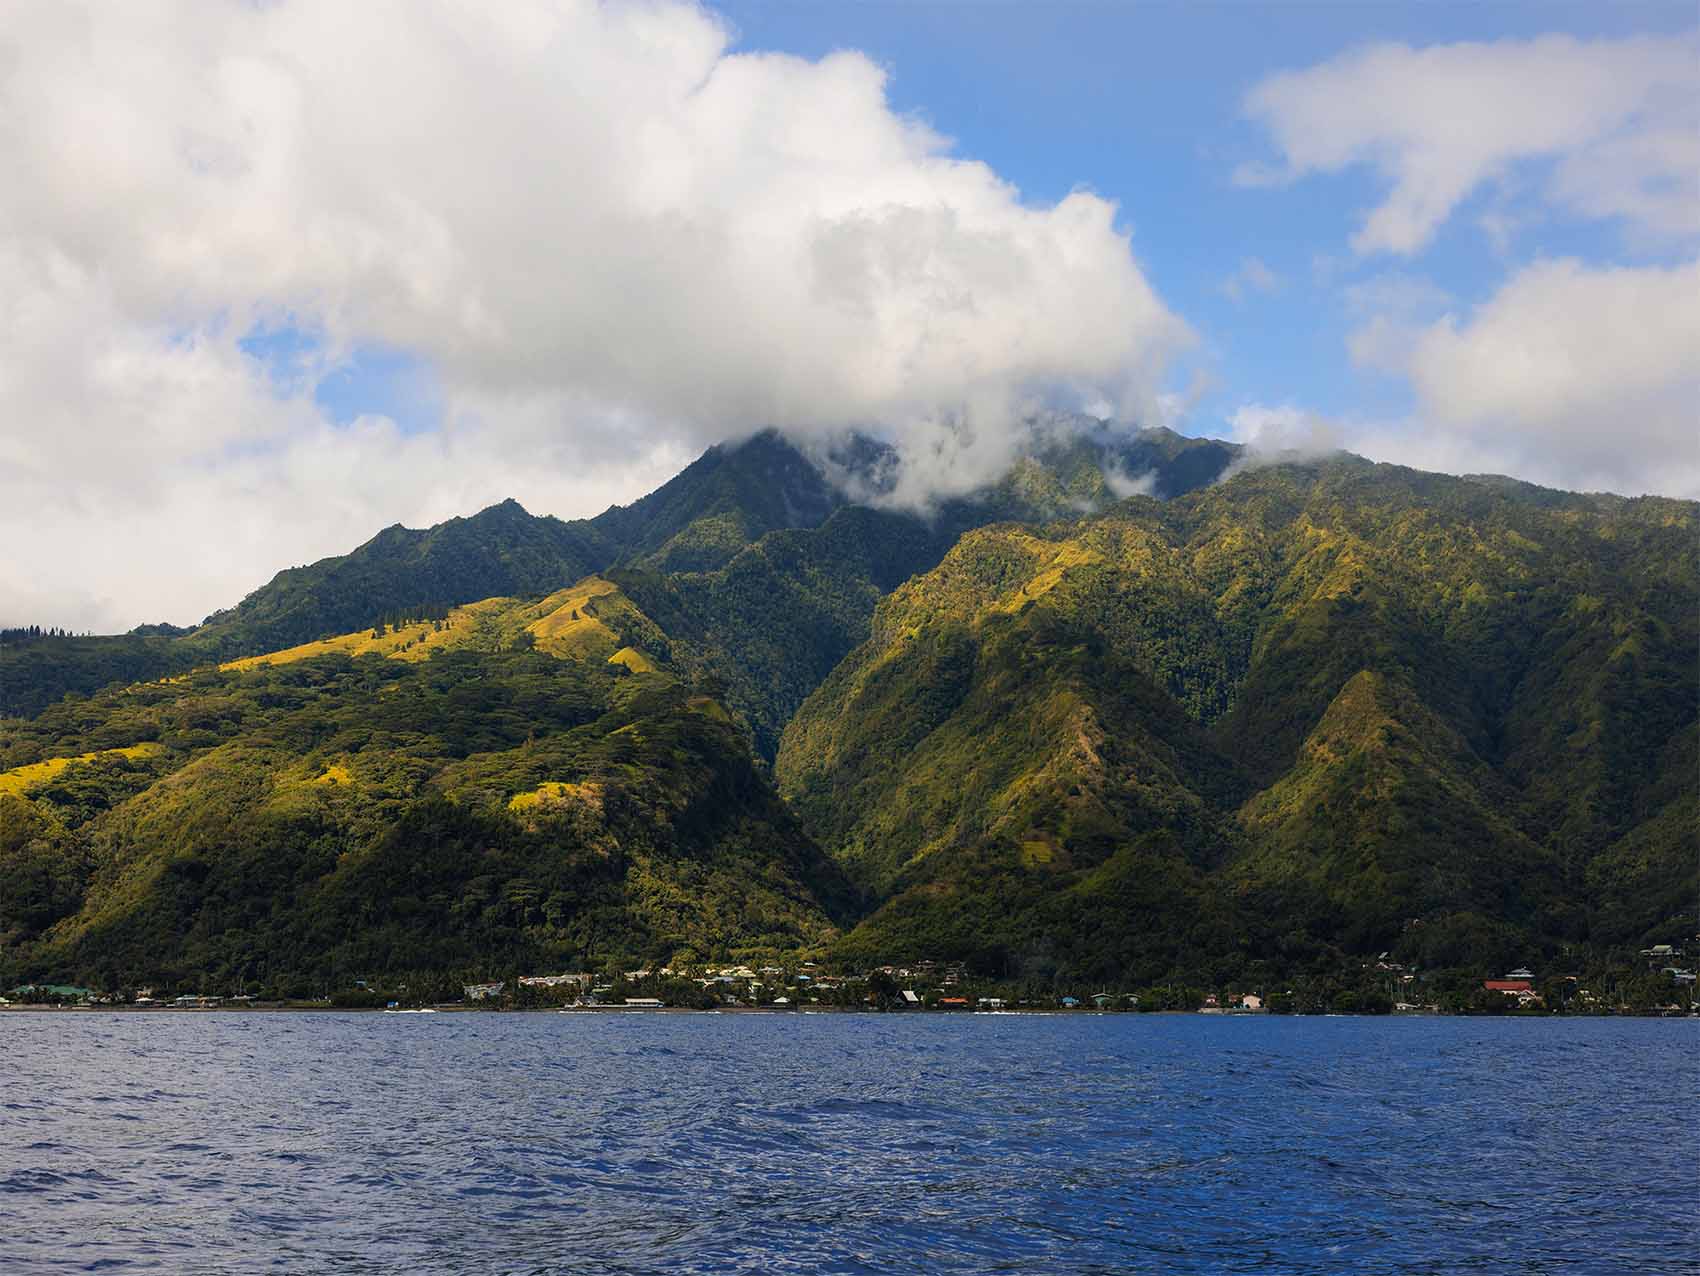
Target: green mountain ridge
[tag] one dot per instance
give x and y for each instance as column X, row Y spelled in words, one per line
column 1261, row 719
column 730, row 498
column 1422, row 710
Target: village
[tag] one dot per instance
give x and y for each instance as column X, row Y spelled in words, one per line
column 1660, row 981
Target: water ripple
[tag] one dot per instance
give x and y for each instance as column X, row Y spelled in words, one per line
column 813, row 1144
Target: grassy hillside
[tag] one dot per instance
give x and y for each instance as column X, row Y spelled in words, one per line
column 591, row 619
column 319, row 818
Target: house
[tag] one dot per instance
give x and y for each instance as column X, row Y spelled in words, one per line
column 1070, row 1002
column 1522, row 972
column 1251, row 1001
column 909, row 997
column 644, row 1003
column 1103, row 1000
column 991, row 1003
column 551, row 981
column 953, row 1003
column 1518, row 988
column 483, row 992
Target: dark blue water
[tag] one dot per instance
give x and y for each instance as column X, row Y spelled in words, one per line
column 836, row 1143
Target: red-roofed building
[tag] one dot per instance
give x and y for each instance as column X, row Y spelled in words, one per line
column 1508, row 986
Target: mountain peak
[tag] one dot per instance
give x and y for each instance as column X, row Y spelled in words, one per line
column 507, row 508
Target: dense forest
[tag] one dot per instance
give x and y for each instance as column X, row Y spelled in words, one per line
column 1320, row 708
column 300, row 823
column 1256, row 723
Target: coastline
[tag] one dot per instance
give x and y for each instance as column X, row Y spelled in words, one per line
column 455, row 1008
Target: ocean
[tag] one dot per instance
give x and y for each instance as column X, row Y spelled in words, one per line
column 840, row 1143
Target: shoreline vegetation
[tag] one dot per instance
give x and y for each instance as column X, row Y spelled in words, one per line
column 452, row 1007
column 1657, row 985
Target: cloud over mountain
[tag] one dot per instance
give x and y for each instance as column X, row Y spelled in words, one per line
column 609, row 237
column 1574, row 373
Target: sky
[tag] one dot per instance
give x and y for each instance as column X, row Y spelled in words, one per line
column 275, row 276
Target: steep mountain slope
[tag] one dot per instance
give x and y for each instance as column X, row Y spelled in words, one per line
column 1387, row 814
column 1371, row 663
column 590, row 619
column 1005, row 716
column 501, row 550
column 729, row 497
column 773, row 622
column 722, row 501
column 779, row 615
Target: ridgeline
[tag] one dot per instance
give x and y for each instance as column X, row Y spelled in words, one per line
column 1254, row 725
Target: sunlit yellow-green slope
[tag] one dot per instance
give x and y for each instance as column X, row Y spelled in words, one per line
column 591, row 620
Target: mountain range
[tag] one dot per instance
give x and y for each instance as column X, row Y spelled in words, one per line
column 1145, row 708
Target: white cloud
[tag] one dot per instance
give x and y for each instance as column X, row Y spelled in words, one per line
column 1272, row 433
column 1584, row 373
column 1395, row 292
column 149, row 473
column 1620, row 119
column 1253, row 276
column 1391, row 308
column 1575, row 376
column 612, row 240
column 1123, row 483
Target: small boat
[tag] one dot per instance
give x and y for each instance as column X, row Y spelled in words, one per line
column 410, row 1012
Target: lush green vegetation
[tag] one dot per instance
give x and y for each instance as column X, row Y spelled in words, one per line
column 774, row 619
column 732, row 495
column 38, row 671
column 1315, row 710
column 1243, row 735
column 301, row 824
